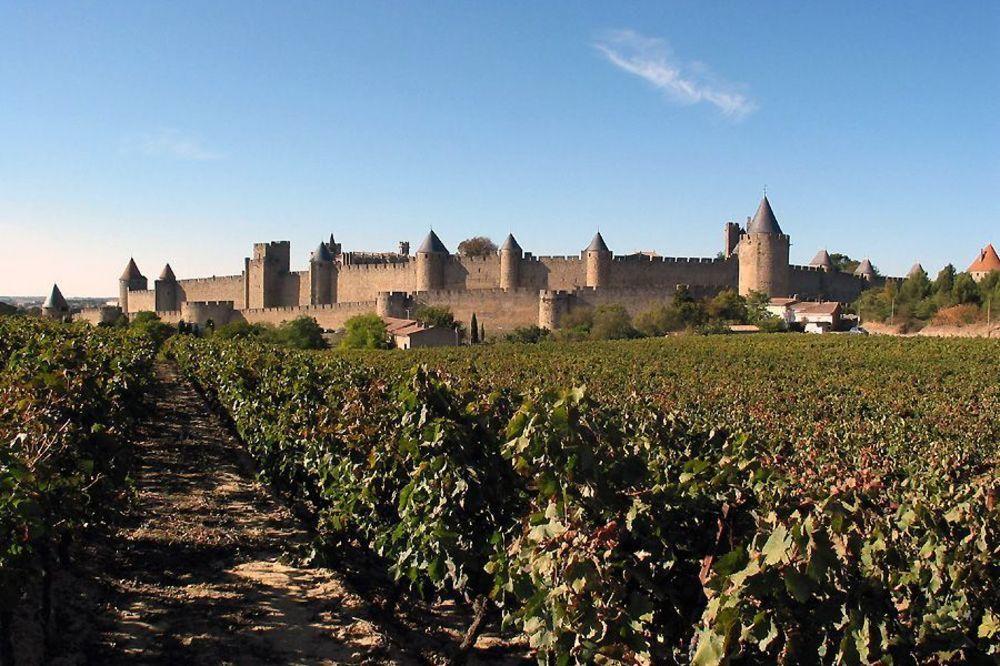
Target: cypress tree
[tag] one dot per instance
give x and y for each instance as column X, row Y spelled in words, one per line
column 482, row 333
column 474, row 330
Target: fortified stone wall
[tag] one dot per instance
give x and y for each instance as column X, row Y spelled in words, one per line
column 640, row 271
column 328, row 316
column 362, row 282
column 472, row 272
column 142, row 301
column 812, row 283
column 222, row 288
column 499, row 310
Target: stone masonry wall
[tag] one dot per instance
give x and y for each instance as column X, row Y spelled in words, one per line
column 223, row 288
column 362, row 282
column 497, row 309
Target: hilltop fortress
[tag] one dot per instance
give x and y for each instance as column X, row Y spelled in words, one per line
column 509, row 289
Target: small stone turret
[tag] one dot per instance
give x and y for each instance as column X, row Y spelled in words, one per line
column 130, row 280
column 822, row 260
column 510, row 263
column 865, row 270
column 598, row 258
column 763, row 253
column 431, row 258
column 166, row 291
column 396, row 304
column 552, row 305
column 55, row 306
column 322, row 275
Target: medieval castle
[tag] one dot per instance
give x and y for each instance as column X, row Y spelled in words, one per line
column 510, row 289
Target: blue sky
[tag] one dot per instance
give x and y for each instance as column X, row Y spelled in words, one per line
column 131, row 128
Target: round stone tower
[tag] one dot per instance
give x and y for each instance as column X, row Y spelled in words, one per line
column 598, row 258
column 510, row 263
column 165, row 291
column 763, row 255
column 130, row 280
column 321, row 269
column 431, row 258
column 552, row 305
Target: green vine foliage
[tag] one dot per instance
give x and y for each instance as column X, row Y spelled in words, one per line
column 69, row 397
column 693, row 509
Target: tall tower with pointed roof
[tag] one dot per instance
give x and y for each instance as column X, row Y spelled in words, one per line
column 510, row 263
column 322, row 275
column 598, row 259
column 432, row 256
column 131, row 280
column 763, row 255
column 166, row 291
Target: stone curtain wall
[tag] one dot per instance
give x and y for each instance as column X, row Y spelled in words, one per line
column 362, row 282
column 223, row 288
column 497, row 309
column 328, row 316
column 811, row 283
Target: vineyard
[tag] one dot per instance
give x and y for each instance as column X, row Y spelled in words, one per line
column 68, row 399
column 695, row 499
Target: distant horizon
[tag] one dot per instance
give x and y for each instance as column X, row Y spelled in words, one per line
column 184, row 133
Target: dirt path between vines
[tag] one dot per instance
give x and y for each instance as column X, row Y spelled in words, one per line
column 202, row 569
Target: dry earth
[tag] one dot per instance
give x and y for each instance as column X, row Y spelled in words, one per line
column 203, row 568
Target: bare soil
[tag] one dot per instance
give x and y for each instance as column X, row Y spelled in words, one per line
column 204, row 567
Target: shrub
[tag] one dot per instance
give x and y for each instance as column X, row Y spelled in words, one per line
column 237, row 330
column 658, row 321
column 957, row 315
column 528, row 334
column 612, row 322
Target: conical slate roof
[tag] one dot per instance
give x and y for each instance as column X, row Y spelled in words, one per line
column 322, row 253
column 55, row 301
column 432, row 245
column 865, row 269
column 986, row 262
column 511, row 244
column 915, row 269
column 598, row 244
column 131, row 271
column 763, row 221
column 167, row 275
column 822, row 260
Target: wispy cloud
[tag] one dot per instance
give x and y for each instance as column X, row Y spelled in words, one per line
column 173, row 144
column 650, row 58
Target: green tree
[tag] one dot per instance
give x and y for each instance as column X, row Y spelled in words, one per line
column 431, row 315
column 915, row 288
column 690, row 311
column 945, row 280
column 149, row 323
column 612, row 322
column 474, row 330
column 842, row 262
column 658, row 321
column 477, row 246
column 965, row 290
column 757, row 307
column 728, row 306
column 366, row 331
column 299, row 333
